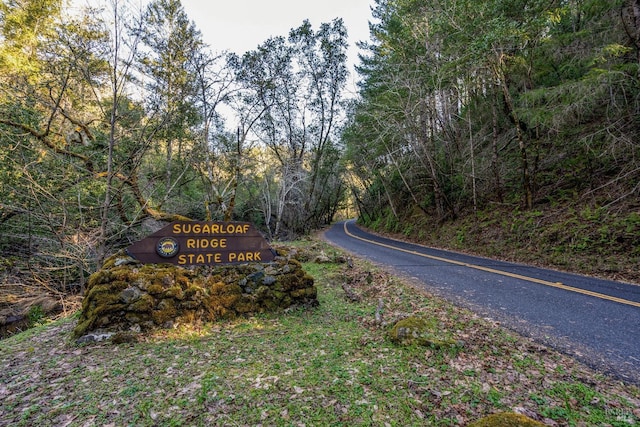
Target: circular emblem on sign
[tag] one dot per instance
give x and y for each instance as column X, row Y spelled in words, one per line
column 167, row 247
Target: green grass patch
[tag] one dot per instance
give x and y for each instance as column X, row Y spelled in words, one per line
column 330, row 365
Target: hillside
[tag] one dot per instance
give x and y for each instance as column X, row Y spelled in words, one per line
column 332, row 365
column 572, row 236
column 504, row 131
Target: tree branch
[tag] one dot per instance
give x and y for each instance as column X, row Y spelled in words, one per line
column 43, row 137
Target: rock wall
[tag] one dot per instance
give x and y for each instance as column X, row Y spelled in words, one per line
column 128, row 296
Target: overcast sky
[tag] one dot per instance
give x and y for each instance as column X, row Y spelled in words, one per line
column 241, row 25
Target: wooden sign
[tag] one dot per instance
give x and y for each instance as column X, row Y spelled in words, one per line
column 203, row 243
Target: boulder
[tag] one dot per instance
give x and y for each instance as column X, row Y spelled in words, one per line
column 416, row 330
column 125, row 295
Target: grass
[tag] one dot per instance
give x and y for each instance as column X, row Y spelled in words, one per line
column 327, row 366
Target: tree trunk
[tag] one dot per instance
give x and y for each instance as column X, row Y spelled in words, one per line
column 513, row 115
column 636, row 15
column 236, row 179
column 495, row 160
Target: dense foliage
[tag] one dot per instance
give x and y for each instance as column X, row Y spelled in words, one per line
column 110, row 119
column 468, row 105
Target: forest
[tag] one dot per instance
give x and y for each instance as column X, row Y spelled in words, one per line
column 503, row 127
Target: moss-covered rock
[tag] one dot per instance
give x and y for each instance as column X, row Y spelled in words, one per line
column 506, row 419
column 419, row 331
column 127, row 296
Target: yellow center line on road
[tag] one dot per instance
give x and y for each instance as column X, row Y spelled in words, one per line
column 558, row 285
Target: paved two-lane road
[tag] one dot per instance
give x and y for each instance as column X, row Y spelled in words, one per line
column 596, row 321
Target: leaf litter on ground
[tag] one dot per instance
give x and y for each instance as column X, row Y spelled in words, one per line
column 330, row 365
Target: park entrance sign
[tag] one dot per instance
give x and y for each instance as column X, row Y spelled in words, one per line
column 187, row 243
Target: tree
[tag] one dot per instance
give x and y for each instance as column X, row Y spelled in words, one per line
column 295, row 87
column 214, row 87
column 48, row 148
column 462, row 103
column 173, row 44
column 73, row 140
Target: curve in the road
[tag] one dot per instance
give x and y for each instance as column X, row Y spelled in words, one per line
column 595, row 320
column 558, row 285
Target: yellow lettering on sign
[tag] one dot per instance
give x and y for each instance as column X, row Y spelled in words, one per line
column 206, row 243
column 253, row 256
column 244, row 256
column 225, row 228
column 185, row 259
column 207, row 258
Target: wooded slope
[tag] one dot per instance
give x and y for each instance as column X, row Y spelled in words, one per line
column 508, row 128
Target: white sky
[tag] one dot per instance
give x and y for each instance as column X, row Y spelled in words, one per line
column 241, row 25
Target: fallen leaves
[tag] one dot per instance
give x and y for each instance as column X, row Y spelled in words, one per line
column 332, row 365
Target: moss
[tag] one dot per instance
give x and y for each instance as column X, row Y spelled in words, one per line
column 221, row 299
column 174, row 292
column 286, row 283
column 98, row 278
column 155, row 289
column 193, row 292
column 247, row 305
column 122, row 273
column 169, row 293
column 107, row 307
column 102, row 303
column 108, row 288
column 282, row 251
column 138, row 318
column 286, row 301
column 183, row 281
column 506, row 419
column 294, row 263
column 268, row 304
column 263, row 292
column 117, row 258
column 308, row 281
column 141, row 282
column 144, row 304
column 149, row 270
column 420, row 331
column 93, row 310
column 305, row 293
column 165, row 313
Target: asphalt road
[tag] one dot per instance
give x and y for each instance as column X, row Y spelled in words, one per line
column 596, row 321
